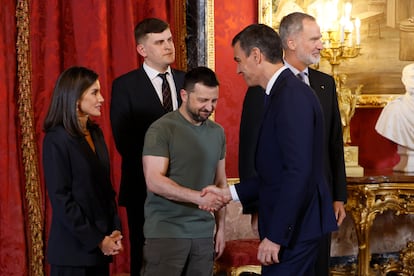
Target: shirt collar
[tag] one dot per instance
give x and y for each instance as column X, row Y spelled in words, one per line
column 273, row 79
column 152, row 73
column 294, row 70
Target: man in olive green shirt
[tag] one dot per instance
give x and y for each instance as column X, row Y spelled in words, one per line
column 184, row 152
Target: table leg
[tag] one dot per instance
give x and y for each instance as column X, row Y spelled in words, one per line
column 363, row 222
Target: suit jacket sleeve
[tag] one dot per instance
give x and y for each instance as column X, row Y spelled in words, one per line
column 121, row 119
column 325, row 88
column 336, row 152
column 251, row 119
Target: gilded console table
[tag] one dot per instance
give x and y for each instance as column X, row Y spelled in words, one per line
column 370, row 195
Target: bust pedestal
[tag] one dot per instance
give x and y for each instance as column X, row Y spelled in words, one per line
column 352, row 169
column 406, row 163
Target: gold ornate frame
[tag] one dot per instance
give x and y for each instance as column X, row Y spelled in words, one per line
column 180, row 34
column 265, row 9
column 210, row 45
column 210, row 34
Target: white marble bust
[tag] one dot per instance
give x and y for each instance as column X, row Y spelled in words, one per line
column 396, row 122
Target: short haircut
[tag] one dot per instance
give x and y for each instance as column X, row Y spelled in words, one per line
column 263, row 37
column 149, row 25
column 69, row 88
column 292, row 24
column 202, row 75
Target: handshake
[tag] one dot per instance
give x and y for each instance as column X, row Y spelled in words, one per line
column 213, row 198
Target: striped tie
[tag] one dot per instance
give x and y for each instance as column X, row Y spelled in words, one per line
column 166, row 93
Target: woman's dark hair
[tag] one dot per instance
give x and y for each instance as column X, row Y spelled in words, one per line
column 69, row 88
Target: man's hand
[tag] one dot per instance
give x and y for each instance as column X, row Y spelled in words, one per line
column 214, row 198
column 268, row 252
column 219, row 244
column 211, row 202
column 339, row 210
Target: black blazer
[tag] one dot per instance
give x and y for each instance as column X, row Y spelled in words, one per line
column 251, row 119
column 83, row 200
column 135, row 105
column 324, row 87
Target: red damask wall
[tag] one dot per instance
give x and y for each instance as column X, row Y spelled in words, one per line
column 230, row 18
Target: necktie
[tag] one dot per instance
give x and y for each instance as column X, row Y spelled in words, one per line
column 166, row 93
column 301, row 76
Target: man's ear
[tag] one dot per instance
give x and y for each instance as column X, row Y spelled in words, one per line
column 291, row 44
column 184, row 95
column 141, row 50
column 256, row 54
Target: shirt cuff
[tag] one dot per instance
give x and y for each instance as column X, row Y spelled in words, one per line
column 233, row 192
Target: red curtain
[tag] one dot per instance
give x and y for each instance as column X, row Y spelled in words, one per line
column 95, row 34
column 13, row 255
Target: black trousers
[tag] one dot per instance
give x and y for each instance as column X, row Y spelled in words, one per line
column 135, row 215
column 99, row 270
column 322, row 264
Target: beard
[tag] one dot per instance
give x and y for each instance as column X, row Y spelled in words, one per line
column 199, row 116
column 309, row 58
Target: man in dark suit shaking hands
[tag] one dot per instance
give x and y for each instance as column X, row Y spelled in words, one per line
column 138, row 99
column 301, row 41
column 294, row 203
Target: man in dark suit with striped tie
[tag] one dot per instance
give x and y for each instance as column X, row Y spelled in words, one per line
column 138, row 99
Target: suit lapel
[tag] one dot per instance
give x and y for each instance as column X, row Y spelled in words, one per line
column 316, row 83
column 147, row 89
column 145, row 86
column 99, row 156
column 175, row 78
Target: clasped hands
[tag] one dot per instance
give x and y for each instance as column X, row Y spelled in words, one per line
column 213, row 198
column 112, row 244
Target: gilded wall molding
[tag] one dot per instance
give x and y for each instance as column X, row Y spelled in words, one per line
column 265, row 12
column 232, row 181
column 180, row 32
column 375, row 100
column 210, row 44
column 210, row 35
column 28, row 144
